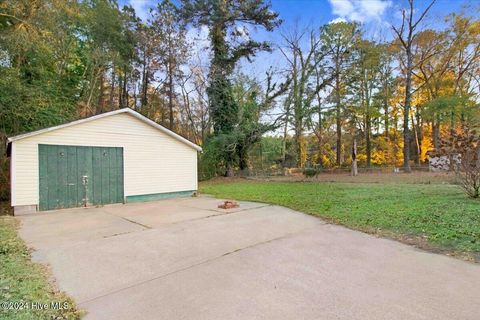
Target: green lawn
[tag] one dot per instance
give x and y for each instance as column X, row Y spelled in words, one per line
column 439, row 215
column 23, row 282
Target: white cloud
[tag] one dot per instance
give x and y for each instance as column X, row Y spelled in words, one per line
column 360, row 10
column 341, row 7
column 142, row 8
column 338, row 19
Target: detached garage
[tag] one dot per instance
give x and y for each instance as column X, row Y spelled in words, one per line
column 115, row 157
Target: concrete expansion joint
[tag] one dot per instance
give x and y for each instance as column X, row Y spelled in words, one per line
column 116, row 234
column 218, row 213
column 217, row 210
column 287, row 235
column 137, row 223
column 126, row 219
column 147, row 227
column 229, row 212
column 236, row 211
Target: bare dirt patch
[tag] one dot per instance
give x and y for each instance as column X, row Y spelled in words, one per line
column 5, row 209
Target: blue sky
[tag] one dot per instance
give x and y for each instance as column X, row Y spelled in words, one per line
column 361, row 10
column 376, row 16
column 322, row 11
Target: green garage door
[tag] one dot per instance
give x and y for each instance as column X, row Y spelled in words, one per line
column 75, row 176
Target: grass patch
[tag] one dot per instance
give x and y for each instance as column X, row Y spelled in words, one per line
column 440, row 216
column 24, row 282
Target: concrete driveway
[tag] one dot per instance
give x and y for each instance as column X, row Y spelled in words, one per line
column 186, row 259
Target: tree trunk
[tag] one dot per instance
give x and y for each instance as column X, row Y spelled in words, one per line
column 406, row 111
column 144, row 98
column 419, row 136
column 243, row 160
column 418, row 150
column 386, row 115
column 112, row 90
column 395, row 139
column 100, row 101
column 93, row 84
column 301, row 152
column 145, row 90
column 170, row 96
column 203, row 122
column 436, row 132
column 285, row 131
column 120, row 90
column 368, row 142
column 338, row 120
column 320, row 133
column 135, row 98
column 125, row 91
column 368, row 120
column 354, row 158
column 229, row 172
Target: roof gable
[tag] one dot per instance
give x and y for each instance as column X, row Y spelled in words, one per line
column 107, row 114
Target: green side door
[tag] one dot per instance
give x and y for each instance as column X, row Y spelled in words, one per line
column 76, row 176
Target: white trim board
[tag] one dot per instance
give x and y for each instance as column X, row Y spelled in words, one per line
column 107, row 114
column 13, row 197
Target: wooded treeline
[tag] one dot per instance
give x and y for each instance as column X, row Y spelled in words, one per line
column 65, row 59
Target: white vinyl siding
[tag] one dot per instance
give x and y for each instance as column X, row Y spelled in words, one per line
column 154, row 162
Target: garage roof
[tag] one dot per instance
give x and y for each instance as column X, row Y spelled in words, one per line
column 107, row 114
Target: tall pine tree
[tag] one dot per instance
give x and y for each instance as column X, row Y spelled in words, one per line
column 226, row 21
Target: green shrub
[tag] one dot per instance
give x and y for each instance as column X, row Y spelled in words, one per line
column 310, row 172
